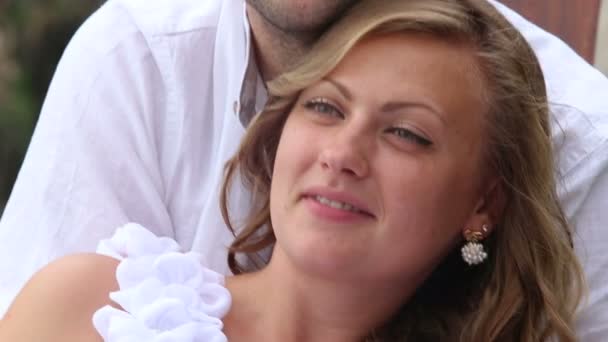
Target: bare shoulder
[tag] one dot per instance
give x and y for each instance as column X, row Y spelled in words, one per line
column 58, row 302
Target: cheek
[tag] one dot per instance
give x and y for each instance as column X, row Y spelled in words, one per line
column 292, row 154
column 292, row 161
column 429, row 201
column 424, row 217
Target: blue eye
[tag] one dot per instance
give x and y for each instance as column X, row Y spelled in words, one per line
column 408, row 135
column 322, row 106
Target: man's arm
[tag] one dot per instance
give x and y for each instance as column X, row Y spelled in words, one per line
column 579, row 108
column 588, row 204
column 94, row 162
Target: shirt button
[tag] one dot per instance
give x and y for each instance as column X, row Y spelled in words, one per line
column 235, row 107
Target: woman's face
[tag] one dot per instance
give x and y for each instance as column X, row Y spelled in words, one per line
column 379, row 168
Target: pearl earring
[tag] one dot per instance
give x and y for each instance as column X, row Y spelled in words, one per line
column 473, row 252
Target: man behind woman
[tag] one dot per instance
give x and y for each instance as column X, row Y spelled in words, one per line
column 412, row 129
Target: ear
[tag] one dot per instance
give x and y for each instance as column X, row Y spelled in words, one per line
column 488, row 209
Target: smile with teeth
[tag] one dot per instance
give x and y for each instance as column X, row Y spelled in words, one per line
column 337, row 204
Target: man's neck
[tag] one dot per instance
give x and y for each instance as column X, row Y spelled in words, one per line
column 275, row 50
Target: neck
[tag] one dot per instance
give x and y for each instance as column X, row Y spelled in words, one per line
column 275, row 49
column 281, row 304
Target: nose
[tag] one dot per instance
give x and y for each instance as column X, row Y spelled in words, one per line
column 345, row 153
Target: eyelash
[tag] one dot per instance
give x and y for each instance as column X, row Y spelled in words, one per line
column 324, row 107
column 406, row 134
column 321, row 105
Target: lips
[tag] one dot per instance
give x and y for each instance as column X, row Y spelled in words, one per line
column 336, row 204
column 338, row 200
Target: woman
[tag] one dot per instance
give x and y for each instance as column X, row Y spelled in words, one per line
column 413, row 128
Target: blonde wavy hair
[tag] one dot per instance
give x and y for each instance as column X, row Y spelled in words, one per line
column 530, row 287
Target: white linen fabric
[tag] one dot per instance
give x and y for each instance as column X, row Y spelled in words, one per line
column 143, row 111
column 164, row 294
column 137, row 124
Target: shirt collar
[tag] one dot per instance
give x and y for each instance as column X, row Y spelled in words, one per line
column 253, row 94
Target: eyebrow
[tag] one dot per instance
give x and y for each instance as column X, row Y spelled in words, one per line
column 341, row 88
column 395, row 106
column 388, row 107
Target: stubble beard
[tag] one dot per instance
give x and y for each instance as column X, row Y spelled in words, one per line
column 300, row 19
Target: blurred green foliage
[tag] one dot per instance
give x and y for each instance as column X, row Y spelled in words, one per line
column 33, row 34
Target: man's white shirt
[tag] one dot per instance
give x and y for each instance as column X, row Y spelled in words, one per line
column 144, row 110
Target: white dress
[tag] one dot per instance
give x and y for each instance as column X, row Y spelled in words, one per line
column 165, row 295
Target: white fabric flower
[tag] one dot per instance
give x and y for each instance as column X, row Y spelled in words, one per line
column 164, row 295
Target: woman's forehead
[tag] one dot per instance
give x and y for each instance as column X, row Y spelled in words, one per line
column 417, row 68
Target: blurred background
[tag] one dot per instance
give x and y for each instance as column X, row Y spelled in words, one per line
column 33, row 34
